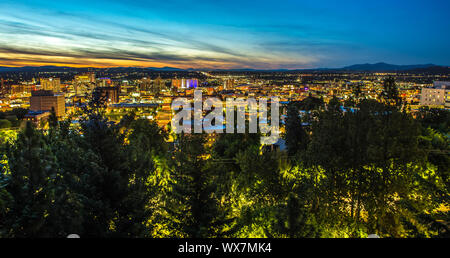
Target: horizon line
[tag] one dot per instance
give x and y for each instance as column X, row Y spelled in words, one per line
column 209, row 68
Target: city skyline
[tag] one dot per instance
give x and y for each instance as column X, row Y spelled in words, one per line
column 288, row 35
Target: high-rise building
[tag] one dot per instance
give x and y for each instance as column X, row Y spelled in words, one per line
column 85, row 78
column 145, row 84
column 111, row 94
column 158, row 85
column 4, row 89
column 53, row 84
column 176, row 83
column 21, row 88
column 228, row 84
column 84, row 83
column 437, row 95
column 45, row 100
column 184, row 83
column 104, row 82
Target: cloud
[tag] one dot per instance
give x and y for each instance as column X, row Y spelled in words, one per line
column 67, row 38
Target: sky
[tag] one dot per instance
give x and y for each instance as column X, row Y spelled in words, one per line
column 224, row 34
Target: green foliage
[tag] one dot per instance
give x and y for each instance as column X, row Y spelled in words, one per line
column 4, row 123
column 194, row 208
column 436, row 118
column 12, row 118
column 294, row 219
column 83, row 182
column 53, row 119
column 347, row 173
column 296, row 137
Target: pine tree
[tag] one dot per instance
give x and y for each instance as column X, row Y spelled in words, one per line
column 296, row 137
column 390, row 94
column 194, row 208
column 294, row 219
column 34, row 183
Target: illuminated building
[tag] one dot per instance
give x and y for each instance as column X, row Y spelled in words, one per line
column 157, row 86
column 145, row 84
column 437, row 95
column 104, row 82
column 111, row 94
column 37, row 116
column 53, row 84
column 176, row 83
column 84, row 83
column 184, row 83
column 45, row 100
column 85, row 78
column 228, row 84
column 21, row 88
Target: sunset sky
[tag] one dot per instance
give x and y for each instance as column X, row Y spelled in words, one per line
column 224, row 34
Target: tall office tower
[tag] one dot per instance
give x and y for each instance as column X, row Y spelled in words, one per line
column 158, row 85
column 84, row 83
column 45, row 100
column 5, row 88
column 191, row 83
column 437, row 95
column 2, row 89
column 176, row 83
column 85, row 78
column 104, row 82
column 145, row 84
column 53, row 84
column 184, row 83
column 228, row 84
column 110, row 94
column 91, row 76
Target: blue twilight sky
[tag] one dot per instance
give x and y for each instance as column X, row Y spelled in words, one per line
column 224, row 34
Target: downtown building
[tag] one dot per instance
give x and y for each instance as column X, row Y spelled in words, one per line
column 53, row 84
column 108, row 94
column 84, row 83
column 184, row 83
column 46, row 100
column 436, row 96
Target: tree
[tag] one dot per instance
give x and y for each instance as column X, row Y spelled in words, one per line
column 436, row 118
column 19, row 112
column 296, row 137
column 294, row 219
column 195, row 210
column 389, row 94
column 4, row 123
column 118, row 194
column 39, row 205
column 52, row 119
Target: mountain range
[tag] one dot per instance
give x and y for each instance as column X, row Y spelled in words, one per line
column 377, row 67
column 384, row 67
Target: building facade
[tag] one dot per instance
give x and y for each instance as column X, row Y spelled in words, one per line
column 438, row 95
column 53, row 84
column 46, row 100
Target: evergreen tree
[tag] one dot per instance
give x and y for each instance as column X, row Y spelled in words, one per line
column 194, row 209
column 296, row 137
column 40, row 204
column 294, row 220
column 390, row 94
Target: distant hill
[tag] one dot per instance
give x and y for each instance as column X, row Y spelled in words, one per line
column 432, row 70
column 48, row 68
column 165, row 69
column 384, row 67
column 377, row 67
